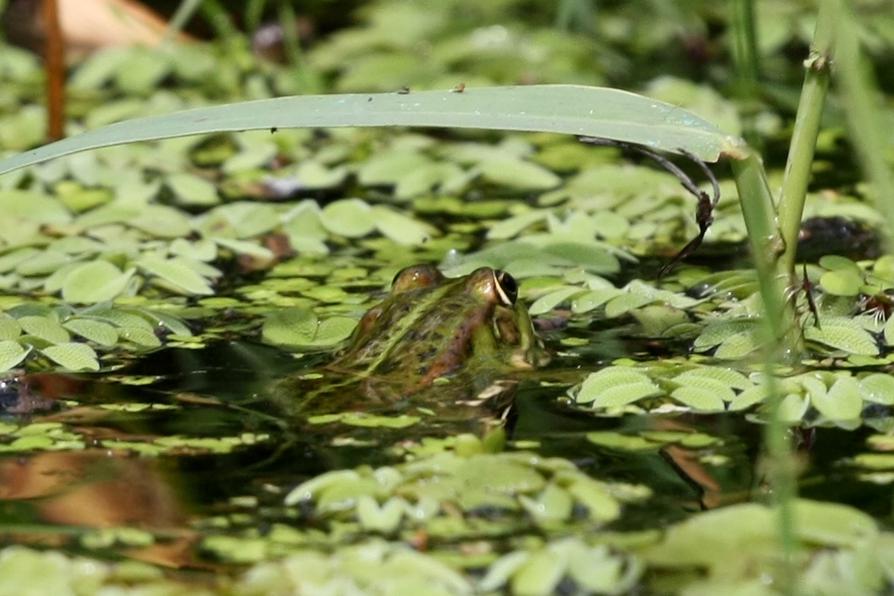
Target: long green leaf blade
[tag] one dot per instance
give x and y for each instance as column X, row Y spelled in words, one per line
column 569, row 109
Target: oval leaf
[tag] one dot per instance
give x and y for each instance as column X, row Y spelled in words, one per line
column 73, row 356
column 45, row 328
column 401, row 228
column 11, row 353
column 842, row 402
column 845, row 334
column 177, row 274
column 700, row 398
column 97, row 331
column 878, row 388
column 351, row 218
column 94, row 282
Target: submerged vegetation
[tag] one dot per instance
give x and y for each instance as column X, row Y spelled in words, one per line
column 156, row 294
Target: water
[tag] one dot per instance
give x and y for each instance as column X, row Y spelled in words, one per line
column 184, row 492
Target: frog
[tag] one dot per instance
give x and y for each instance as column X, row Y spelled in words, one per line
column 446, row 345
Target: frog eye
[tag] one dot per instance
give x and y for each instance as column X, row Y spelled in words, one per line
column 507, row 288
column 415, row 277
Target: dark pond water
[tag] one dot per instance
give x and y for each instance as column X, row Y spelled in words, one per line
column 180, row 492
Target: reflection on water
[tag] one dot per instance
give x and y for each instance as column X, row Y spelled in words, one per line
column 175, row 399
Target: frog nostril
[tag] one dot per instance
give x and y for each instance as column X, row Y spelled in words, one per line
column 507, row 288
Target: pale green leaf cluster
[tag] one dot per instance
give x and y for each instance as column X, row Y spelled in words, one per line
column 849, row 554
column 300, row 328
column 814, row 398
column 70, row 338
column 423, row 492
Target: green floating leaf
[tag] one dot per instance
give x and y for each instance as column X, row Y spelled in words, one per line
column 842, row 282
column 568, row 109
column 748, row 398
column 192, row 190
column 793, row 407
column 842, row 402
column 388, row 168
column 594, row 495
column 242, row 219
column 615, row 386
column 96, row 331
column 843, row 333
column 878, row 388
column 97, row 281
column 351, row 218
column 11, row 354
column 73, row 356
column 875, row 461
column 749, row 533
column 401, row 228
column 593, row 299
column 375, row 518
column 176, row 273
column 119, row 318
column 889, row 332
column 737, row 346
column 43, row 263
column 292, row 326
column 245, row 247
column 512, row 227
column 314, row 175
column 518, row 174
column 838, row 263
column 139, row 336
column 299, row 327
column 549, row 301
column 553, row 504
column 334, row 330
column 727, row 376
column 702, row 398
column 614, row 440
column 9, row 327
column 173, row 324
column 833, row 524
column 253, row 155
column 540, row 574
column 366, row 420
column 716, row 332
column 45, row 328
column 161, row 221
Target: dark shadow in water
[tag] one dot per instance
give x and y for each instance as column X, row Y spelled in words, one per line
column 223, row 391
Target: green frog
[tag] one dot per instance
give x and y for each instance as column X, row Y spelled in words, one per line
column 435, row 343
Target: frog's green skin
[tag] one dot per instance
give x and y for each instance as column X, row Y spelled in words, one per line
column 468, row 330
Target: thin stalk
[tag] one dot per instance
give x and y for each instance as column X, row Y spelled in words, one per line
column 781, row 337
column 807, row 123
column 54, row 67
column 254, row 12
column 219, row 19
column 760, row 219
column 291, row 41
column 743, row 35
column 181, row 16
column 859, row 95
column 745, row 50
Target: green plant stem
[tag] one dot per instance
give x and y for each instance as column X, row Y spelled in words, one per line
column 181, row 16
column 807, row 122
column 219, row 19
column 859, row 95
column 289, row 24
column 782, row 340
column 254, row 11
column 760, row 219
column 745, row 49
